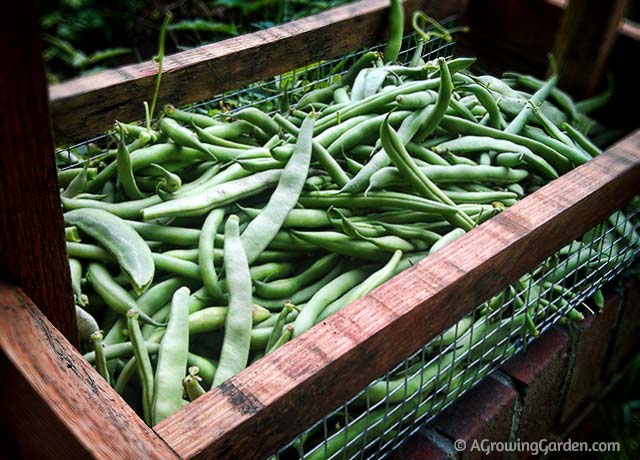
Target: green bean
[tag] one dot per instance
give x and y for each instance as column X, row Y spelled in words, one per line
column 124, row 210
column 278, row 326
column 177, row 266
column 479, row 197
column 261, row 230
column 259, row 118
column 212, row 319
column 593, row 103
column 575, row 155
column 551, row 129
column 101, row 361
column 179, row 236
column 170, row 183
column 329, row 135
column 373, row 102
column 518, row 123
column 206, row 252
column 88, row 251
column 183, row 136
column 368, row 248
column 408, row 169
column 461, row 126
column 365, row 132
column 66, row 176
column 409, row 232
column 453, row 174
column 304, row 294
column 327, row 294
column 236, row 129
column 396, row 29
column 286, row 335
column 408, row 129
column 581, row 140
column 214, row 140
column 71, row 234
column 445, row 89
column 340, row 96
column 625, row 228
column 143, row 365
column 368, row 82
column 446, row 239
column 200, row 120
column 375, row 200
column 172, row 359
column 125, row 170
column 368, row 285
column 78, row 184
column 416, row 100
column 237, row 330
column 286, row 287
column 216, row 196
column 318, row 95
column 564, row 101
column 192, row 387
column 260, row 164
column 424, row 154
column 321, row 154
column 112, row 293
column 272, row 270
column 460, row 109
column 128, row 248
column 484, row 97
column 86, row 323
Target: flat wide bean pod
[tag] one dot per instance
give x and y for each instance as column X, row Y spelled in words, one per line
column 120, row 240
column 216, row 196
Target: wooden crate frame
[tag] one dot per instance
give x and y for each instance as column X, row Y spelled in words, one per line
column 51, row 394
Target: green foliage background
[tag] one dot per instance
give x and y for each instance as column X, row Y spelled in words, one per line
column 84, row 36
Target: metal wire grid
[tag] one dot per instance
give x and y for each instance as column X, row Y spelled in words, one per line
column 266, row 95
column 382, row 416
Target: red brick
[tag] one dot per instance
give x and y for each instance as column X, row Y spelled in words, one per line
column 626, row 340
column 591, row 344
column 485, row 412
column 420, row 446
column 540, row 373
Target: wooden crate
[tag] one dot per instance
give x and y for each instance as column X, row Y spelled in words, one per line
column 55, row 405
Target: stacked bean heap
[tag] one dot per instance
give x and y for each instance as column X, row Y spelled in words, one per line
column 200, row 245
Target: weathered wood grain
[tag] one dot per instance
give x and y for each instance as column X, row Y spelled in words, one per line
column 53, row 402
column 89, row 105
column 252, row 414
column 32, row 244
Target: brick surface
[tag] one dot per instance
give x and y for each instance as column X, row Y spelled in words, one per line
column 540, row 373
column 485, row 412
column 422, row 446
column 591, row 340
column 626, row 339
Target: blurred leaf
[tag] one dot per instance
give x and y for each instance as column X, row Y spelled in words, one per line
column 103, row 55
column 202, row 25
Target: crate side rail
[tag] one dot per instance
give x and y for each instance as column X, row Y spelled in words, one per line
column 54, row 402
column 304, row 379
column 84, row 106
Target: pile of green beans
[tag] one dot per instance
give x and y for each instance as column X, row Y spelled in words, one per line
column 199, row 245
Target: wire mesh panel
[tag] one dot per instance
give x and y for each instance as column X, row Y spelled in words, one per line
column 272, row 95
column 382, row 416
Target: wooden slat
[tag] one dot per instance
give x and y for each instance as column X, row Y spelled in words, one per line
column 627, row 27
column 89, row 105
column 265, row 406
column 585, row 38
column 32, row 245
column 53, row 402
